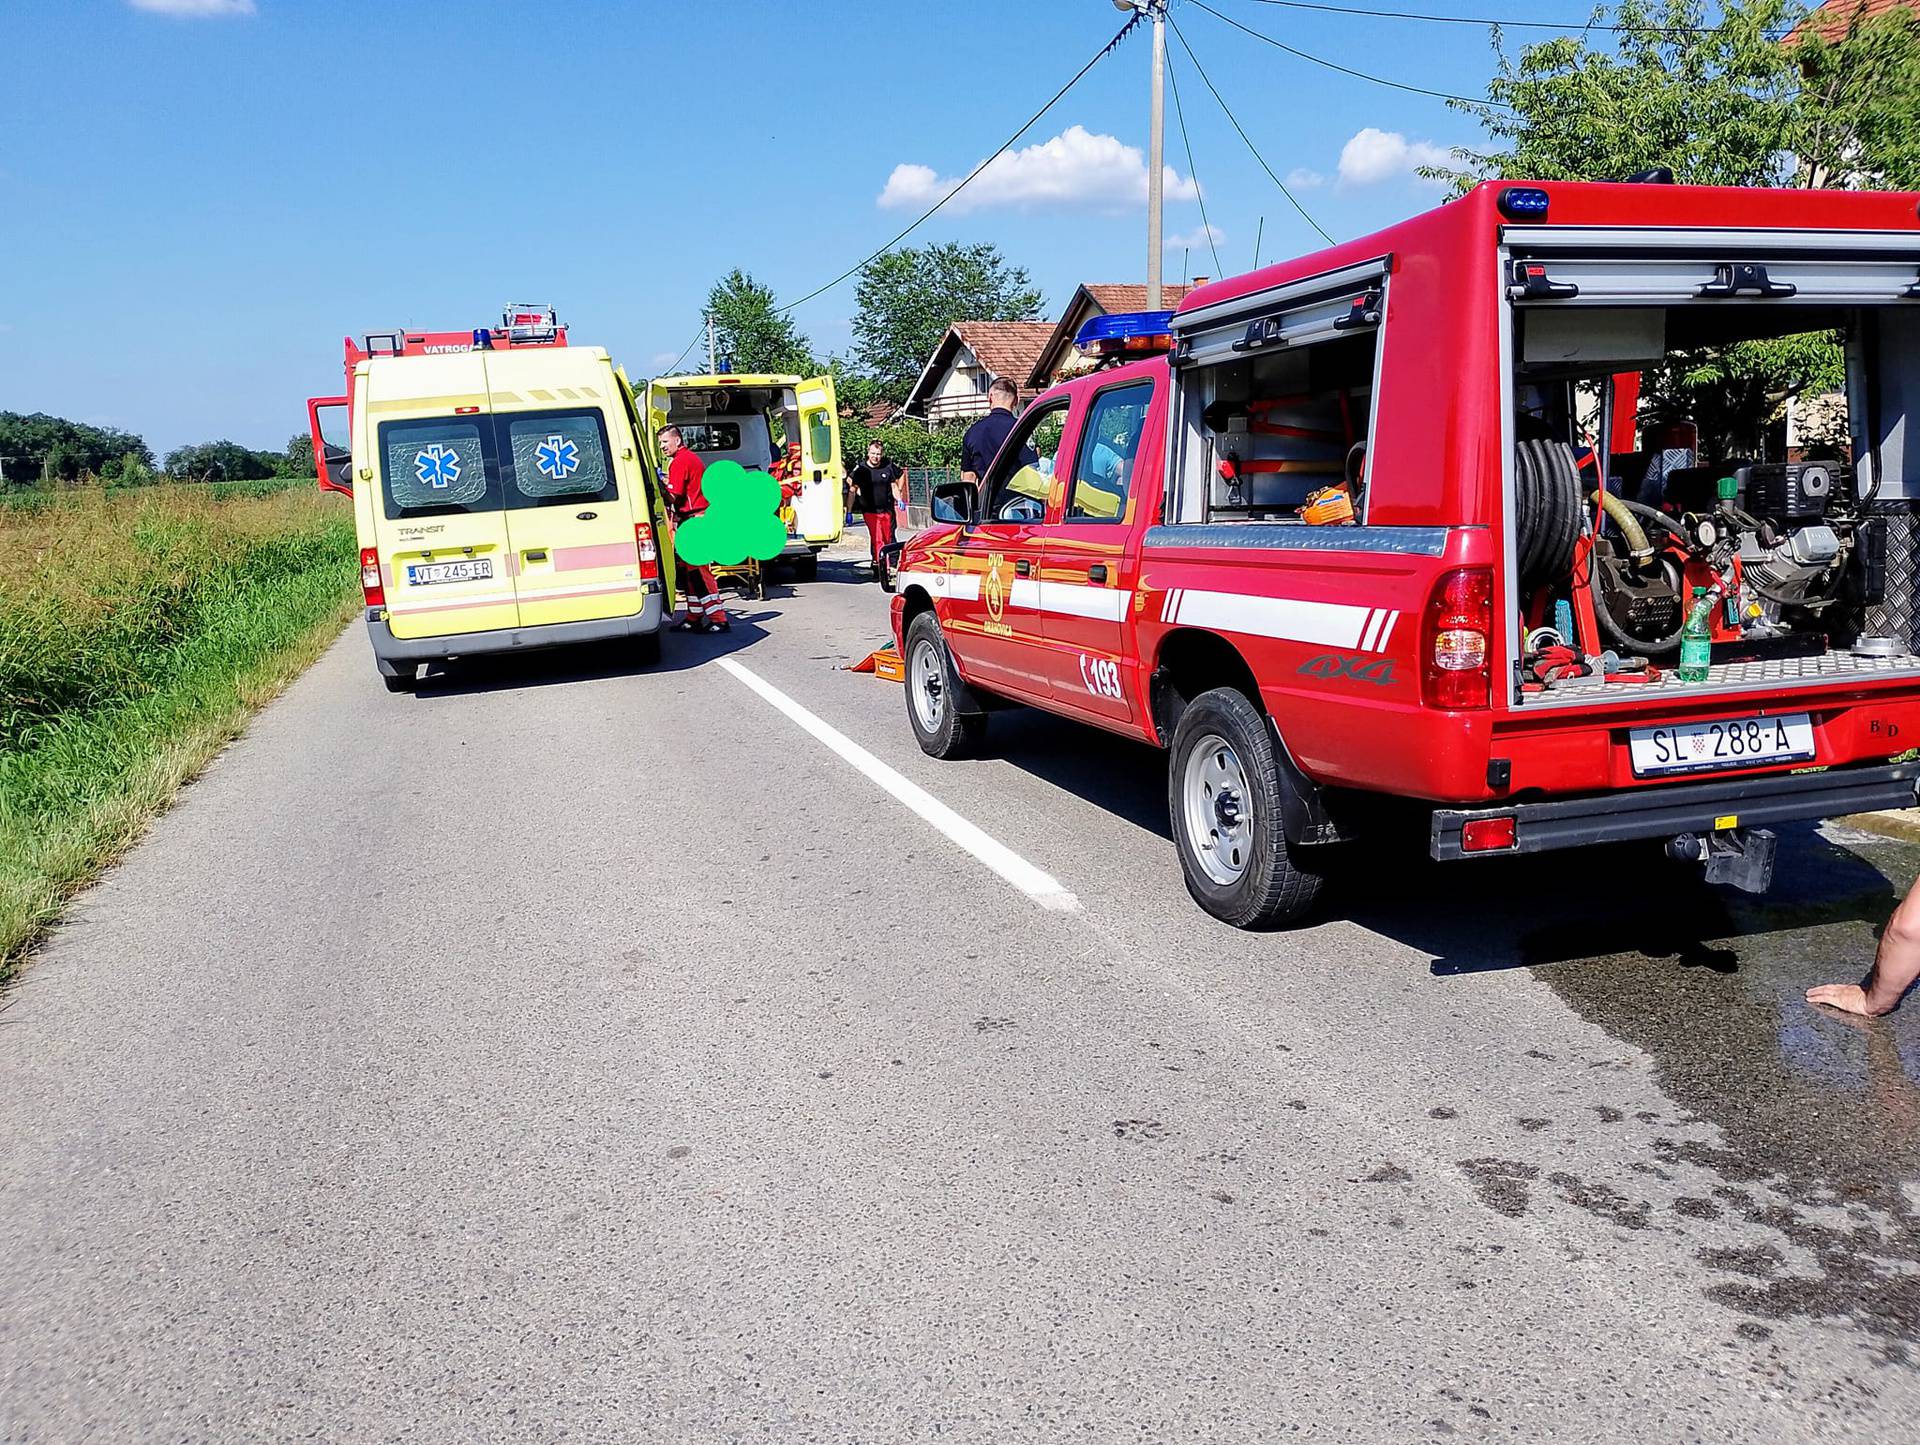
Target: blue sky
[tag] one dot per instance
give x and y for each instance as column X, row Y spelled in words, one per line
column 199, row 206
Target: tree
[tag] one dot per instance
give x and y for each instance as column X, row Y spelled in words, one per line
column 1724, row 105
column 750, row 335
column 299, row 457
column 907, row 299
column 221, row 461
column 42, row 450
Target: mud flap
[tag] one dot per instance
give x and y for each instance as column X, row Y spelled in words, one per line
column 1303, row 810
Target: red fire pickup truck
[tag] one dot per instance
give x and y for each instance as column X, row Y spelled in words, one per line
column 1383, row 533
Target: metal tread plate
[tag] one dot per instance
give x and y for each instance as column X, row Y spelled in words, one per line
column 1735, row 677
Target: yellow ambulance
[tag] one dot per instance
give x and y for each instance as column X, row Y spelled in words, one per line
column 752, row 419
column 504, row 501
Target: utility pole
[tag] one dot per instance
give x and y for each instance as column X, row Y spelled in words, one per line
column 713, row 366
column 1156, row 10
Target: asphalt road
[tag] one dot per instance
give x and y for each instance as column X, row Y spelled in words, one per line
column 569, row 1051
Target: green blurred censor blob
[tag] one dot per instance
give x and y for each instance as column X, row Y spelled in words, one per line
column 742, row 519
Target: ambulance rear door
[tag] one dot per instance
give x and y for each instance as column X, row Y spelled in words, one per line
column 820, row 509
column 436, row 504
column 571, row 477
column 640, row 415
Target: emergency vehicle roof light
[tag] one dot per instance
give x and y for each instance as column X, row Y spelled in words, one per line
column 1523, row 203
column 1126, row 331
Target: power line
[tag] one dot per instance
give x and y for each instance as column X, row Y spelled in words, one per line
column 1228, row 112
column 1484, row 20
column 1193, row 172
column 1343, row 69
column 1027, row 125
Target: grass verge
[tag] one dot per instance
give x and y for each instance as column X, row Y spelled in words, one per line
column 138, row 634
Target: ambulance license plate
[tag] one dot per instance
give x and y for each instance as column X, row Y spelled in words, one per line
column 1745, row 742
column 419, row 574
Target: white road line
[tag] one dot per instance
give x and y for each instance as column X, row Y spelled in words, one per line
column 1043, row 888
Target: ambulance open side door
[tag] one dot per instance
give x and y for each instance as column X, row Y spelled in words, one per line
column 646, row 425
column 820, row 510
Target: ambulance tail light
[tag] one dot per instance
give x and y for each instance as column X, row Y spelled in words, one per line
column 370, row 586
column 1455, row 646
column 649, row 552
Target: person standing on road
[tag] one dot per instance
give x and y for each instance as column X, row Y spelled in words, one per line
column 699, row 589
column 1896, row 964
column 872, row 486
column 984, row 438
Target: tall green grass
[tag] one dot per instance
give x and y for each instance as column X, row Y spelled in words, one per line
column 138, row 632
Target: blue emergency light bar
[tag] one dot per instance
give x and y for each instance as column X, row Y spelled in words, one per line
column 1126, row 331
column 1523, row 203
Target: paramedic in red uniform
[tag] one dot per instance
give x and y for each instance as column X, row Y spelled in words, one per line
column 698, row 589
column 872, row 485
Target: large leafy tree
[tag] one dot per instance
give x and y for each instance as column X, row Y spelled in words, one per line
column 1737, row 97
column 907, row 299
column 751, row 334
column 39, row 449
column 222, row 461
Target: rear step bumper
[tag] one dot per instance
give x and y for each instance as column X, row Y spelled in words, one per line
column 389, row 650
column 1666, row 812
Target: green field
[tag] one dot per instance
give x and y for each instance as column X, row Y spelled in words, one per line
column 138, row 632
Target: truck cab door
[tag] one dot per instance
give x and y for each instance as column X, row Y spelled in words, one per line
column 1091, row 561
column 995, row 565
column 329, row 425
column 820, row 510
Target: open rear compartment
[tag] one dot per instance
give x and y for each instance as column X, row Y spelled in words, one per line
column 745, row 424
column 1753, row 535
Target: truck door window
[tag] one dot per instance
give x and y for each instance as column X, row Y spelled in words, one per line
column 1022, row 473
column 436, row 465
column 1109, row 443
column 558, row 457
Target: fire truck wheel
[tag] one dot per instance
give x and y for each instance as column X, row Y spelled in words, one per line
column 943, row 730
column 1224, row 788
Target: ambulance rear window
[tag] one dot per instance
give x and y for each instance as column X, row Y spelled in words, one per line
column 434, row 465
column 558, row 455
column 711, row 436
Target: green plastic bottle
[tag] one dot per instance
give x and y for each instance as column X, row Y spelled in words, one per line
column 1696, row 639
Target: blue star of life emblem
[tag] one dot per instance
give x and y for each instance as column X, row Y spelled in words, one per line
column 557, row 457
column 437, row 466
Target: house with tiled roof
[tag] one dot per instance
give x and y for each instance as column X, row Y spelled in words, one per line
column 1058, row 358
column 971, row 355
column 1833, row 20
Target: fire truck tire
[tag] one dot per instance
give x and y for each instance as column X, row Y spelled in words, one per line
column 1224, row 789
column 942, row 729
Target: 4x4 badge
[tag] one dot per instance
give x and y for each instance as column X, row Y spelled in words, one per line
column 1329, row 665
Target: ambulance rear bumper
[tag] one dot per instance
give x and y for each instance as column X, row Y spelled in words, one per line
column 393, row 653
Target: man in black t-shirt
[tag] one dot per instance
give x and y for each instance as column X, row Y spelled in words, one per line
column 872, row 484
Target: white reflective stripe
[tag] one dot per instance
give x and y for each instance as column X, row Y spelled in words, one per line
column 1079, row 599
column 1025, row 592
column 962, row 587
column 1385, row 635
column 1323, row 624
column 1369, row 635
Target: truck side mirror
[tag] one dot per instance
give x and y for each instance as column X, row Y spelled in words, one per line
column 955, row 502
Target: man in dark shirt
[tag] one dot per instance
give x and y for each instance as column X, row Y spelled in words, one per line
column 872, row 484
column 985, row 436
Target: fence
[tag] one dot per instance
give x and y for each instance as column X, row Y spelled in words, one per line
column 920, row 484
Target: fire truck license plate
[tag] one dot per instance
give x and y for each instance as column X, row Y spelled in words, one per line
column 1710, row 747
column 421, row 573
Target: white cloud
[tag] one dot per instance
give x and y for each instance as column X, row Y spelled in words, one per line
column 1077, row 169
column 1374, row 155
column 1302, row 179
column 1196, row 238
column 194, row 9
